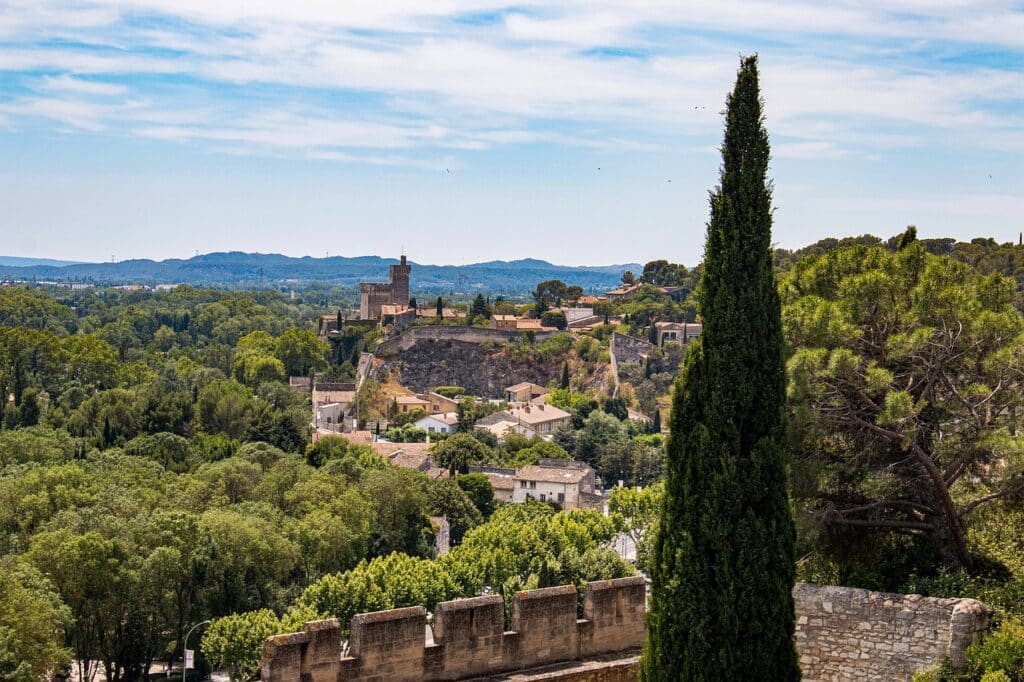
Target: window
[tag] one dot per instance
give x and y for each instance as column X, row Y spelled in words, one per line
column 430, row 428
column 522, row 484
column 561, row 497
column 542, row 498
column 533, row 484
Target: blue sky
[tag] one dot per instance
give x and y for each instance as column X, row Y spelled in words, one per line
column 582, row 131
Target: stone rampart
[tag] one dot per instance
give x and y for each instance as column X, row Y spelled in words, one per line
column 849, row 634
column 842, row 634
column 440, row 332
column 469, row 637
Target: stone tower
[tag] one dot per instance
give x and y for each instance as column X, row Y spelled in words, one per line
column 372, row 295
column 398, row 278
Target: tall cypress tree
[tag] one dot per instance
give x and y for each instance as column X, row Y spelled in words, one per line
column 723, row 564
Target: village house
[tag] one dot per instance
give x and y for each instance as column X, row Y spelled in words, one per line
column 502, row 423
column 440, row 403
column 567, row 482
column 397, row 317
column 623, row 292
column 501, row 479
column 446, row 422
column 504, row 322
column 680, row 332
column 543, row 419
column 331, row 402
column 408, row 403
column 524, row 392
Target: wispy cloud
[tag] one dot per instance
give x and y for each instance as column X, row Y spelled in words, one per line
column 842, row 79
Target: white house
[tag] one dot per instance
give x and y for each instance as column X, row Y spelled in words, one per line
column 566, row 482
column 446, row 422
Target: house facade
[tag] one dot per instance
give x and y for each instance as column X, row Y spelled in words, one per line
column 446, row 422
column 566, row 482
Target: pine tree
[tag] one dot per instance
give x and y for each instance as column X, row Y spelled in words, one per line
column 723, row 561
column 565, row 375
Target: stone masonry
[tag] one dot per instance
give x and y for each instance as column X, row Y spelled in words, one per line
column 849, row 634
column 842, row 634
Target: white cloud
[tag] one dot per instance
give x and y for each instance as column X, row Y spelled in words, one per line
column 835, row 78
column 66, row 83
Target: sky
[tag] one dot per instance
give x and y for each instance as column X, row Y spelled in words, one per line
column 458, row 131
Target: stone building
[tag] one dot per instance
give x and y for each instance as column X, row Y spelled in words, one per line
column 373, row 295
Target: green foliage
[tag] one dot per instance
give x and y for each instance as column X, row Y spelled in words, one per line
column 234, row 642
column 554, row 318
column 457, row 452
column 900, row 424
column 480, row 491
column 388, row 582
column 32, row 617
column 722, row 565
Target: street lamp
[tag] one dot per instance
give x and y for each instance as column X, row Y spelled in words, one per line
column 184, row 648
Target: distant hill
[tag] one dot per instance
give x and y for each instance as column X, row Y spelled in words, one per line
column 19, row 261
column 247, row 269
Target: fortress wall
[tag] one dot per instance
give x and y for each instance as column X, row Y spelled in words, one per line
column 438, row 332
column 842, row 634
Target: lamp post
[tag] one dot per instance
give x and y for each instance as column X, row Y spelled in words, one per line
column 184, row 648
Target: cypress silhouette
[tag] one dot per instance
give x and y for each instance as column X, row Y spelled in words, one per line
column 723, row 561
column 565, row 375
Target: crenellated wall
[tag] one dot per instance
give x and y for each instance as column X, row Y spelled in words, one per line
column 842, row 634
column 469, row 637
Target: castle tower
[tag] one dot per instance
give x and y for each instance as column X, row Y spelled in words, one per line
column 398, row 278
column 372, row 295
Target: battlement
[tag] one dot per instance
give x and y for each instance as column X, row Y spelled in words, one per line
column 469, row 639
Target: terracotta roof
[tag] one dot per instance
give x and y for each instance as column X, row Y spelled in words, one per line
column 359, row 437
column 499, row 429
column 535, row 472
column 523, row 385
column 495, row 417
column 389, row 309
column 504, row 318
column 537, row 414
